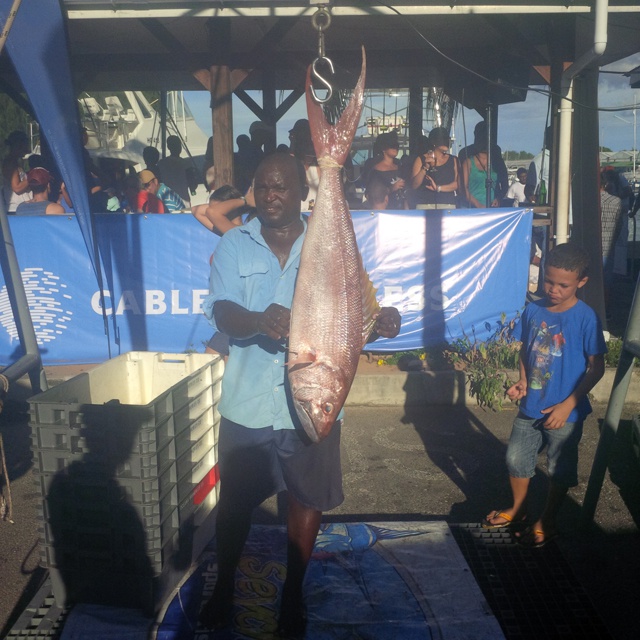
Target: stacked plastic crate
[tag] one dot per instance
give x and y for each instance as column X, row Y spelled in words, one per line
column 126, row 465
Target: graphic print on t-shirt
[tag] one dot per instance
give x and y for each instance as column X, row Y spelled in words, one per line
column 545, row 347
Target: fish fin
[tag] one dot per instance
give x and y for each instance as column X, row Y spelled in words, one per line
column 335, row 141
column 301, row 358
column 370, row 306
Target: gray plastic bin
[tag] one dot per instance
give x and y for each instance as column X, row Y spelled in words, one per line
column 125, row 460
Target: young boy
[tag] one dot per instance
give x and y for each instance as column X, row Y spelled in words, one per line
column 376, row 195
column 561, row 359
column 515, row 195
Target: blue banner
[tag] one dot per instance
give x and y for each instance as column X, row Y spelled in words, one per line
column 450, row 275
column 37, row 44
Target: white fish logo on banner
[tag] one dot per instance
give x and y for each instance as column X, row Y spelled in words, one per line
column 47, row 301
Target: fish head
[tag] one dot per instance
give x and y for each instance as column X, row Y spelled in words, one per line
column 318, row 391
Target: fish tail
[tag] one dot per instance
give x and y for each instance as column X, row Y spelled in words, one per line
column 330, row 141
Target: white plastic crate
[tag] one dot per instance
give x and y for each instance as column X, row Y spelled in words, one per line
column 141, row 428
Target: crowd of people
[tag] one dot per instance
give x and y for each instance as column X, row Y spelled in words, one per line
column 434, row 178
column 430, row 178
column 163, row 186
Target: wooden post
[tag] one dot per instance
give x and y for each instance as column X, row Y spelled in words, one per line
column 221, row 90
column 222, row 124
column 587, row 226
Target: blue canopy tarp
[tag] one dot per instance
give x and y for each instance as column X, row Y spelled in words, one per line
column 38, row 47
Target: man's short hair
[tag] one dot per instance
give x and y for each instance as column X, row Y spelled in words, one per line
column 569, row 257
column 376, row 191
column 151, row 156
column 174, row 145
column 224, row 193
column 520, row 171
column 287, row 157
column 39, row 179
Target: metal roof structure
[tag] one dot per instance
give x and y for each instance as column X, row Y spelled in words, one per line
column 475, row 51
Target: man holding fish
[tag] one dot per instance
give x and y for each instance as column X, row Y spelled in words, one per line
column 271, row 436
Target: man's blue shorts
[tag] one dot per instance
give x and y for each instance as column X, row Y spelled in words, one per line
column 219, row 342
column 258, row 463
column 529, row 438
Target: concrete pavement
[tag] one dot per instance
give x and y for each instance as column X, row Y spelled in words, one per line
column 414, row 462
column 415, row 447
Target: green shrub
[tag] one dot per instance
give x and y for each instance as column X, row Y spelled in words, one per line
column 485, row 363
column 614, row 349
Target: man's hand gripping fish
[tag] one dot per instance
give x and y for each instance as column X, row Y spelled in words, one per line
column 334, row 305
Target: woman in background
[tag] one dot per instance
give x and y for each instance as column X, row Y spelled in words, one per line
column 16, row 186
column 387, row 169
column 474, row 171
column 434, row 177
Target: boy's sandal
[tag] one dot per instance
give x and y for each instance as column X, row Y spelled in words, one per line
column 535, row 538
column 508, row 520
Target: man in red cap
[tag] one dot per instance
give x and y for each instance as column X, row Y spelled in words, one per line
column 148, row 201
column 39, row 180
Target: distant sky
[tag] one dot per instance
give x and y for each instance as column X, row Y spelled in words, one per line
column 521, row 124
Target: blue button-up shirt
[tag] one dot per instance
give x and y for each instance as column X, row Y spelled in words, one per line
column 245, row 271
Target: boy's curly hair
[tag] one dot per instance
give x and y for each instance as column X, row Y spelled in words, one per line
column 569, row 257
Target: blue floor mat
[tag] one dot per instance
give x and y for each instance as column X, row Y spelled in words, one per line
column 374, row 581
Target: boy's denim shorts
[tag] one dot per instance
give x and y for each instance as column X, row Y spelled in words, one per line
column 529, row 438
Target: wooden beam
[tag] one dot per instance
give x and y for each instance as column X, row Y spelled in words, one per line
column 587, row 226
column 544, row 72
column 222, row 125
column 219, row 30
column 250, row 103
column 268, row 44
column 288, row 102
column 238, row 76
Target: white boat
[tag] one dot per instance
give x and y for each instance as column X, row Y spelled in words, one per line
column 118, row 130
column 122, row 131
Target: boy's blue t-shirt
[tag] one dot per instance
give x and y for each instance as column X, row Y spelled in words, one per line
column 557, row 347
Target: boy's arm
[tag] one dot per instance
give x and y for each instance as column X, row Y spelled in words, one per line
column 557, row 414
column 519, row 389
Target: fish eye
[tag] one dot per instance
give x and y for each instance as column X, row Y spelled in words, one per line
column 328, row 408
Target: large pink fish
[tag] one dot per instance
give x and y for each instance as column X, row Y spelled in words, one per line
column 334, row 303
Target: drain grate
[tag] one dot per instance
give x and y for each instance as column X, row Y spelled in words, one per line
column 532, row 592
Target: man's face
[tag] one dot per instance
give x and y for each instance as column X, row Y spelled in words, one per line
column 153, row 186
column 277, row 191
column 522, row 177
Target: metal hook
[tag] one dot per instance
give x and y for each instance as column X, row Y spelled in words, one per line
column 323, row 13
column 321, row 20
column 322, row 80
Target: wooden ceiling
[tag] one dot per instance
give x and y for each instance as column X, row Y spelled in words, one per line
column 476, row 51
